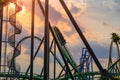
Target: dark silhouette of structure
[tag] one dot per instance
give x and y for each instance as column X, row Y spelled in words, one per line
column 70, row 70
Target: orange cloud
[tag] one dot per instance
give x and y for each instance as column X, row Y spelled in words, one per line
column 25, row 19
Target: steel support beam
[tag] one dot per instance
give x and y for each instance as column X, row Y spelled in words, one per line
column 43, row 12
column 104, row 72
column 6, row 32
column 35, row 55
column 54, row 61
column 46, row 44
column 32, row 39
column 1, row 24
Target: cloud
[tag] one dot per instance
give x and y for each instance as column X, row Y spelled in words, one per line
column 26, row 21
column 100, row 49
column 94, row 18
column 74, row 9
column 24, row 61
column 117, row 2
column 105, row 24
column 78, row 9
column 111, row 26
column 54, row 15
column 103, row 62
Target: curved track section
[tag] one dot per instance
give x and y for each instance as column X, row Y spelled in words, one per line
column 114, row 66
column 85, row 60
column 17, row 28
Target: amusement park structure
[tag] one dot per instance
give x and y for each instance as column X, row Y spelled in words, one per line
column 69, row 69
column 85, row 62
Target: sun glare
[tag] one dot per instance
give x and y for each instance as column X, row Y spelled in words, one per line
column 42, row 0
column 23, row 9
column 12, row 6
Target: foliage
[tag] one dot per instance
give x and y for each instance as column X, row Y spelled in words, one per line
column 115, row 37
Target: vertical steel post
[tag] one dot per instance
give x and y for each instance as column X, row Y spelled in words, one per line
column 35, row 55
column 81, row 35
column 32, row 39
column 6, row 27
column 54, row 60
column 1, row 24
column 46, row 44
column 42, row 9
column 92, row 69
column 13, row 63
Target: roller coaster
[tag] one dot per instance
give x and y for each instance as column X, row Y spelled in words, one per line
column 70, row 70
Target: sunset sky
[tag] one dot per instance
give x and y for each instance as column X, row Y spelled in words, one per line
column 96, row 18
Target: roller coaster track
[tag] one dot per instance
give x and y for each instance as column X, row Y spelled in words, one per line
column 17, row 28
column 114, row 67
column 65, row 53
column 85, row 58
column 26, row 75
